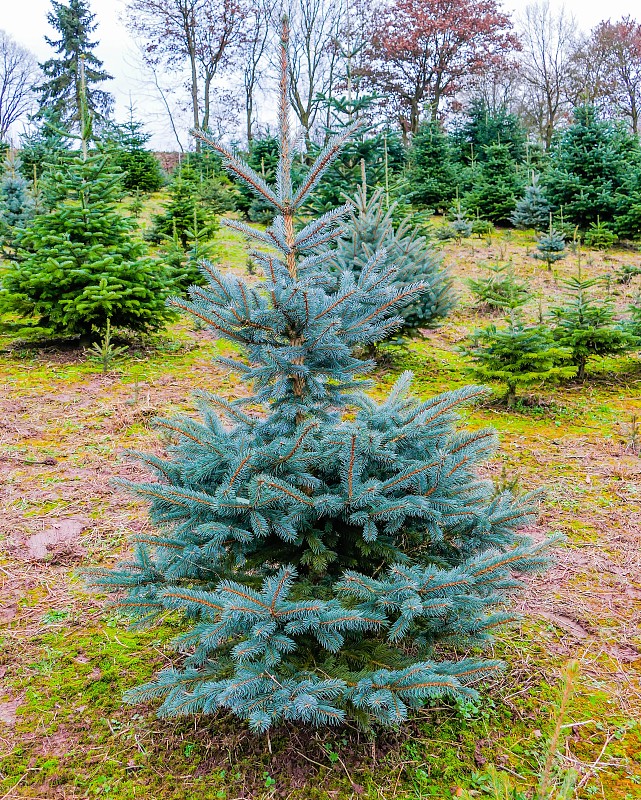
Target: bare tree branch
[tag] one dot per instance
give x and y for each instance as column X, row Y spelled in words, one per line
column 18, row 74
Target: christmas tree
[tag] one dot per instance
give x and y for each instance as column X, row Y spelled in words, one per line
column 317, row 556
column 183, row 211
column 518, row 355
column 589, row 164
column 497, row 186
column 370, row 230
column 60, row 91
column 141, row 169
column 532, row 210
column 600, row 236
column 16, row 203
column 499, row 289
column 432, row 173
column 484, row 127
column 585, row 324
column 185, row 263
column 550, row 247
column 78, row 264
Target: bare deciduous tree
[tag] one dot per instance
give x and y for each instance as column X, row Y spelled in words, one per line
column 200, row 36
column 313, row 56
column 548, row 40
column 589, row 74
column 256, row 41
column 18, row 74
column 620, row 43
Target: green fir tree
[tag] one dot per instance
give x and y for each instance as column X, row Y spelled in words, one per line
column 78, row 264
column 369, row 230
column 588, row 166
column 499, row 289
column 431, row 171
column 60, row 90
column 484, row 127
column 184, row 210
column 497, row 188
column 518, row 356
column 318, row 545
column 140, row 167
column 600, row 236
column 586, row 325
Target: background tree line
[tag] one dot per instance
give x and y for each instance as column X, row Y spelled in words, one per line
column 417, row 62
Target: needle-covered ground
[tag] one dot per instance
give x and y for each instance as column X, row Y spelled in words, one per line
column 66, row 658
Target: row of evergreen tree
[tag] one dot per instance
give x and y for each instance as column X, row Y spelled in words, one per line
column 591, row 174
column 77, row 259
column 560, row 344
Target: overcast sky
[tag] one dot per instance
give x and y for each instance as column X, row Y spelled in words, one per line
column 26, row 21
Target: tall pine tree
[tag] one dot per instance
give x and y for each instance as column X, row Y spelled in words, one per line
column 61, row 86
column 320, row 549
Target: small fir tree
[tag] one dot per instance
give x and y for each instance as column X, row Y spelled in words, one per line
column 183, row 211
column 499, row 289
column 185, row 264
column 78, row 264
column 370, row 230
column 432, row 173
column 585, row 324
column 600, row 236
column 140, row 167
column 317, row 556
column 497, row 187
column 533, row 209
column 634, row 322
column 550, row 247
column 518, row 355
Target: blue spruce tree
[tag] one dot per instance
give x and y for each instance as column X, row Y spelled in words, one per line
column 322, row 561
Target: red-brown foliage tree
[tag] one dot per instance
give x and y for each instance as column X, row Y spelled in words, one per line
column 424, row 52
column 621, row 44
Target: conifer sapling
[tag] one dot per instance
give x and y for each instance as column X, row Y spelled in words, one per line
column 585, row 324
column 369, row 229
column 316, row 556
column 518, row 355
column 550, row 247
column 78, row 263
column 533, row 209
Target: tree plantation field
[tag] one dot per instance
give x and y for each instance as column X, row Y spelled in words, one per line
column 67, row 657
